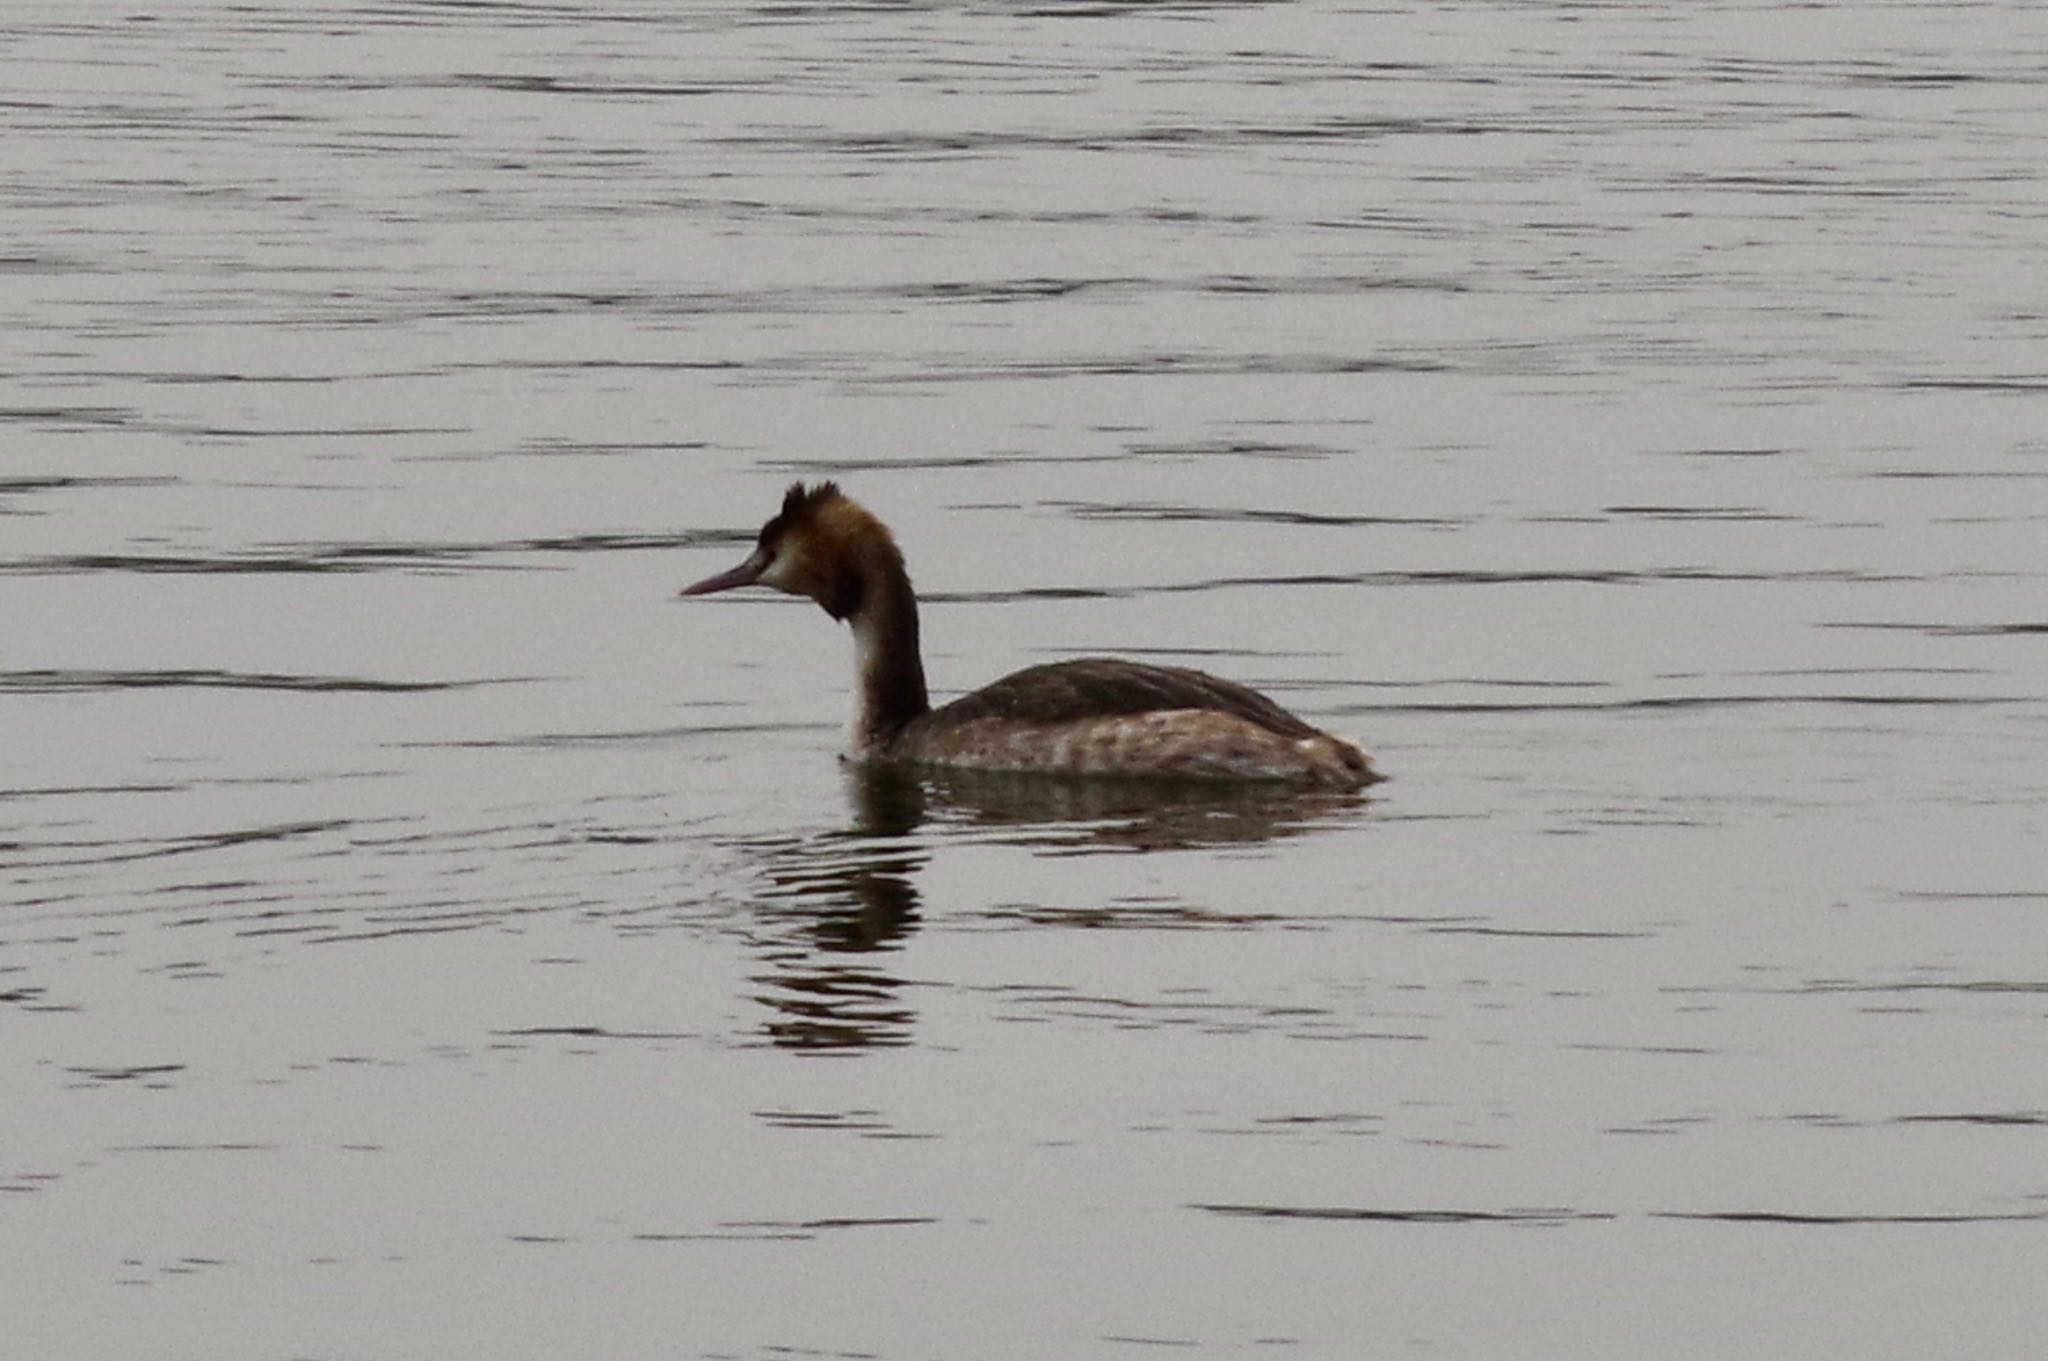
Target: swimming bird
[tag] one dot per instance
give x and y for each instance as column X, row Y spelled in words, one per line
column 1090, row 716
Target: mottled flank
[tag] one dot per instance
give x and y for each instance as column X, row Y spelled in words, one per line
column 1196, row 744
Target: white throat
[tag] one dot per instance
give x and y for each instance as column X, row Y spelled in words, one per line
column 867, row 658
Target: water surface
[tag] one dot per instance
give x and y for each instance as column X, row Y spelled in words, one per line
column 424, row 936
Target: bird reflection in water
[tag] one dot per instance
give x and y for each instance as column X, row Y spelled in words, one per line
column 839, row 903
column 1134, row 814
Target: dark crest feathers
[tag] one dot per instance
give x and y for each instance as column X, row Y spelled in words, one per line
column 799, row 504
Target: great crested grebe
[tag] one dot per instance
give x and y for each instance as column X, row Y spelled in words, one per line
column 1092, row 716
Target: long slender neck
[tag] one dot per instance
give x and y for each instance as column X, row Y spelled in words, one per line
column 890, row 680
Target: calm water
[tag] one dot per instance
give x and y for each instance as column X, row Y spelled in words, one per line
column 425, row 937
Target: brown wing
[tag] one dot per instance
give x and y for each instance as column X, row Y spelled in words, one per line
column 1092, row 687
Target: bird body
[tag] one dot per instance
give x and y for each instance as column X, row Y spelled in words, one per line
column 1095, row 716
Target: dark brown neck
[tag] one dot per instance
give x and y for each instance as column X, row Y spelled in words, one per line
column 890, row 667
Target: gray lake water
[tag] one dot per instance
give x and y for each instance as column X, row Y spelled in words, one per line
column 425, row 937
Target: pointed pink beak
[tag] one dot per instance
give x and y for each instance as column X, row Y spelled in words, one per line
column 746, row 574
